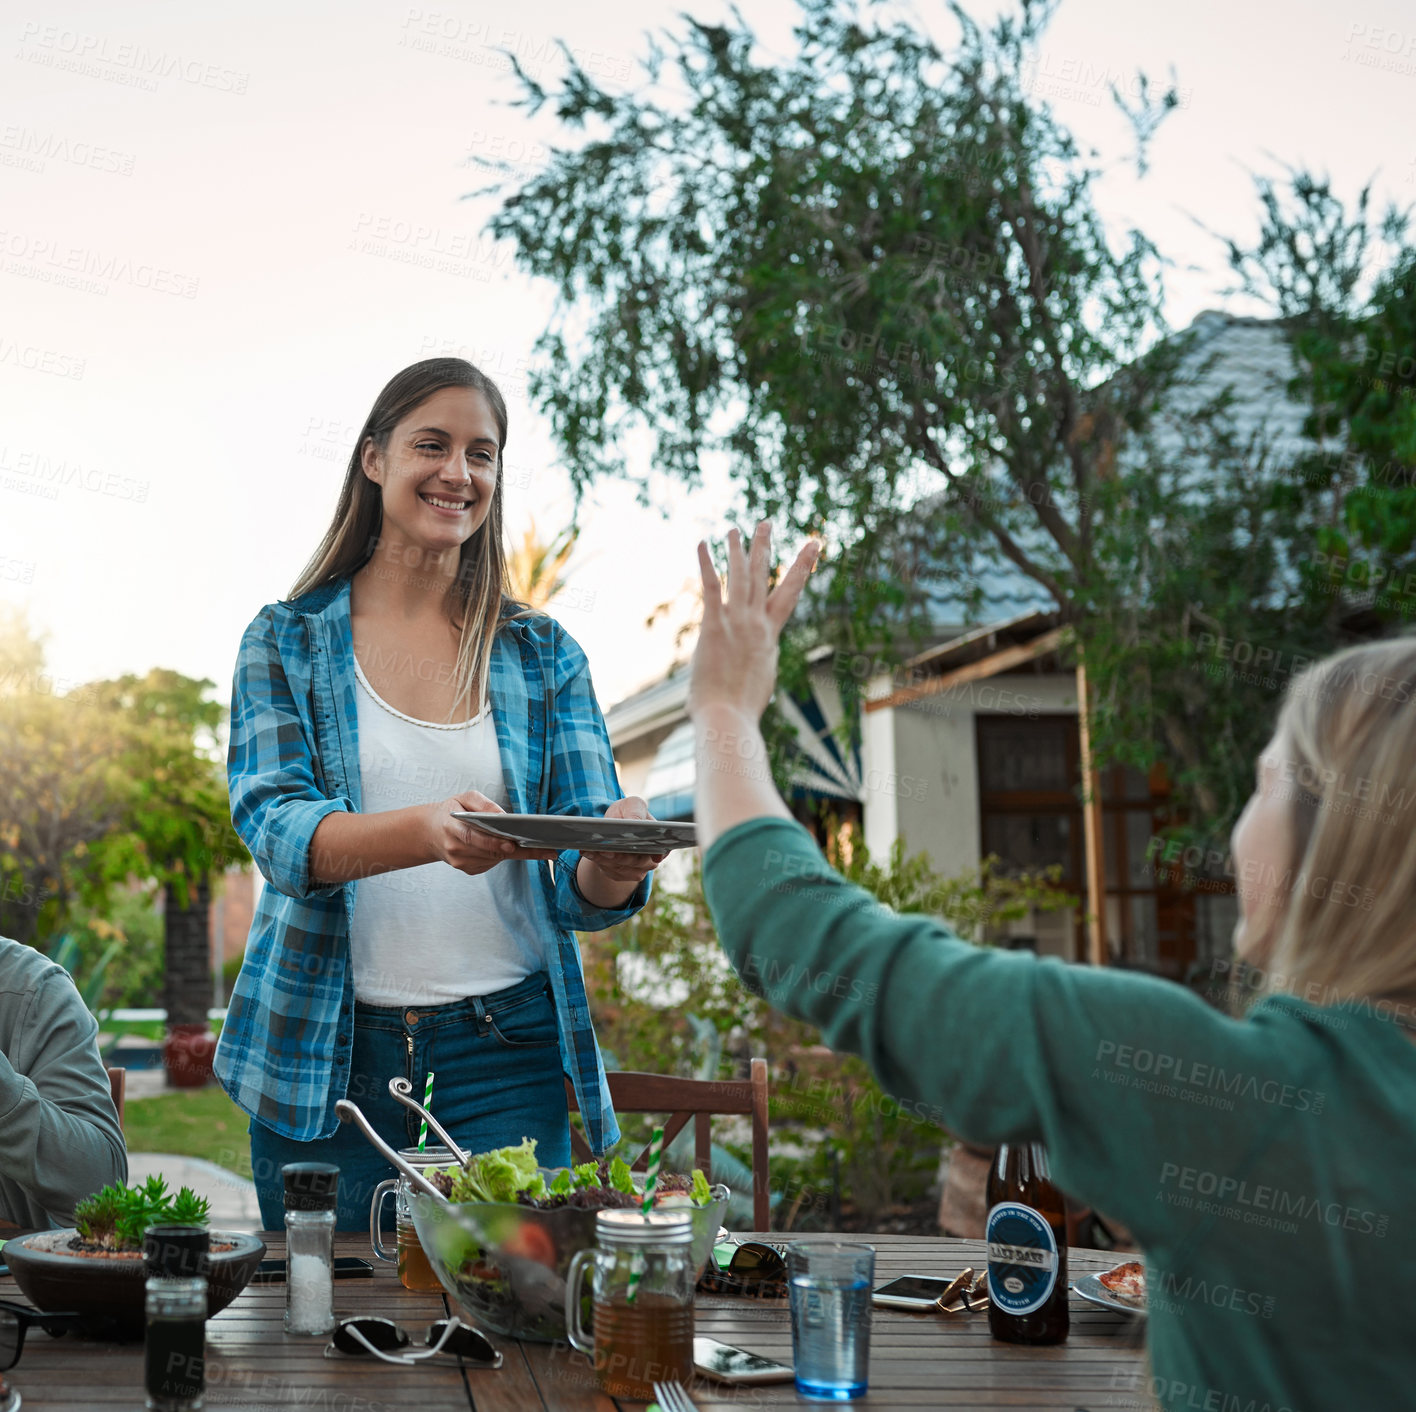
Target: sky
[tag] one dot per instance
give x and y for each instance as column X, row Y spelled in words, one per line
column 222, row 231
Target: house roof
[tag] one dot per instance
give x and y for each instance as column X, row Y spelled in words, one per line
column 1248, row 356
column 661, row 703
column 1004, row 593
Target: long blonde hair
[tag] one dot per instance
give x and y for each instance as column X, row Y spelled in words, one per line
column 475, row 599
column 1348, row 737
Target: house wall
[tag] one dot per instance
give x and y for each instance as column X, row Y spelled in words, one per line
column 635, row 759
column 938, row 781
column 879, row 808
column 919, row 764
column 230, row 917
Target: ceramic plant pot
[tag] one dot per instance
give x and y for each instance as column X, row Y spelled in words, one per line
column 110, row 1289
column 187, row 1054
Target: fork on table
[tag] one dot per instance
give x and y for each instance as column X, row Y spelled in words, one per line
column 672, row 1398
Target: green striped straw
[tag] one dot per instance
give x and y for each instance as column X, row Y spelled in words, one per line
column 651, row 1180
column 651, row 1177
column 427, row 1103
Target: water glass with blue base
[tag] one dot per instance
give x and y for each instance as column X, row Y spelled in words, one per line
column 830, row 1283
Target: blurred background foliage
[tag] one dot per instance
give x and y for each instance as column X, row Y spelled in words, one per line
column 114, row 825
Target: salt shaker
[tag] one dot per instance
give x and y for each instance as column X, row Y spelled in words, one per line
column 175, row 1354
column 311, row 1194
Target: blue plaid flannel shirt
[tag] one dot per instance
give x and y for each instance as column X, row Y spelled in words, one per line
column 294, row 757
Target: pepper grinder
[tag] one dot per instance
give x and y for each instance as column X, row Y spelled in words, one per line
column 176, row 1258
column 311, row 1195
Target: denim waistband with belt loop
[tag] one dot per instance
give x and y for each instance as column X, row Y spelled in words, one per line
column 477, row 1008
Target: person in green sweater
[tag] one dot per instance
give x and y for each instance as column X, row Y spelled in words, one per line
column 1267, row 1164
column 60, row 1140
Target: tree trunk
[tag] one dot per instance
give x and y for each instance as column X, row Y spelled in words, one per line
column 186, row 934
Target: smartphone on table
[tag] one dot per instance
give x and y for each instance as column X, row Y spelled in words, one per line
column 346, row 1267
column 736, row 1365
column 921, row 1293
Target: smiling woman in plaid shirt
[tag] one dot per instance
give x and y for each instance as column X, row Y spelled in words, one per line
column 397, row 683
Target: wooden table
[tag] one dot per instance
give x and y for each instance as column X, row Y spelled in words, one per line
column 916, row 1360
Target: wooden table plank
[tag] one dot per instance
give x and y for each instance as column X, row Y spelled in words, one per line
column 917, row 1361
column 510, row 1388
column 567, row 1379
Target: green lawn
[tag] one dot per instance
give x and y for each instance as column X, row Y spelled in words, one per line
column 199, row 1122
column 146, row 1029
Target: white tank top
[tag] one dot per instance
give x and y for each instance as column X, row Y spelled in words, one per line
column 431, row 935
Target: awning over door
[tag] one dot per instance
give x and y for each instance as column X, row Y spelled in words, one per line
column 821, row 768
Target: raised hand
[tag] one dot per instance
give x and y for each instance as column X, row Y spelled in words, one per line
column 735, row 663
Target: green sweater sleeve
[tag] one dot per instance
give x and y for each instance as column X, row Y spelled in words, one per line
column 1119, row 1074
column 61, row 1140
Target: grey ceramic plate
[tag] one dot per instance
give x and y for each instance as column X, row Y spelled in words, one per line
column 1090, row 1288
column 560, row 831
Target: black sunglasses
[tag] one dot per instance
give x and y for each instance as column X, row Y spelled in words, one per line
column 752, row 1260
column 15, row 1319
column 368, row 1334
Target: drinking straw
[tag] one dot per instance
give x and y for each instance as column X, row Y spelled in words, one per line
column 651, row 1179
column 427, row 1103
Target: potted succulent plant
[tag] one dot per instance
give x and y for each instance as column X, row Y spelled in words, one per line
column 95, row 1267
column 112, row 1221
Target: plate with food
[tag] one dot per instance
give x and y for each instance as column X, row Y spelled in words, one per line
column 1123, row 1288
column 589, row 835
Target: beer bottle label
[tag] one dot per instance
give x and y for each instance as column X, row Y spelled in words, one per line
column 1022, row 1258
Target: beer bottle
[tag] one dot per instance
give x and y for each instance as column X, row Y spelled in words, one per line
column 1027, row 1248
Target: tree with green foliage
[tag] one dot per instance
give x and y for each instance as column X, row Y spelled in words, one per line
column 1242, row 539
column 536, row 568
column 64, row 791
column 873, row 279
column 104, row 784
column 1346, row 284
column 179, row 829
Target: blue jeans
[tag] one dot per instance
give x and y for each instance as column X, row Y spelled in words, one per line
column 498, row 1079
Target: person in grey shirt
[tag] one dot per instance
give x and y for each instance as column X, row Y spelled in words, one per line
column 60, row 1139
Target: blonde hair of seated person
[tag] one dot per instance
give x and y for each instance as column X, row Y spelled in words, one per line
column 1343, row 921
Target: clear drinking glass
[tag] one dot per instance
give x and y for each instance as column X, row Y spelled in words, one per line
column 830, row 1286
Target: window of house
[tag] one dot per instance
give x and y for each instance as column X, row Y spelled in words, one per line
column 1031, row 817
column 1028, row 773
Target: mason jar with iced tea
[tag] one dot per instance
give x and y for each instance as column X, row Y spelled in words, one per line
column 641, row 1299
column 414, row 1271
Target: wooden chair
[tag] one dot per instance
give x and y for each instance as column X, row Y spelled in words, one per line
column 117, row 1086
column 699, row 1099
